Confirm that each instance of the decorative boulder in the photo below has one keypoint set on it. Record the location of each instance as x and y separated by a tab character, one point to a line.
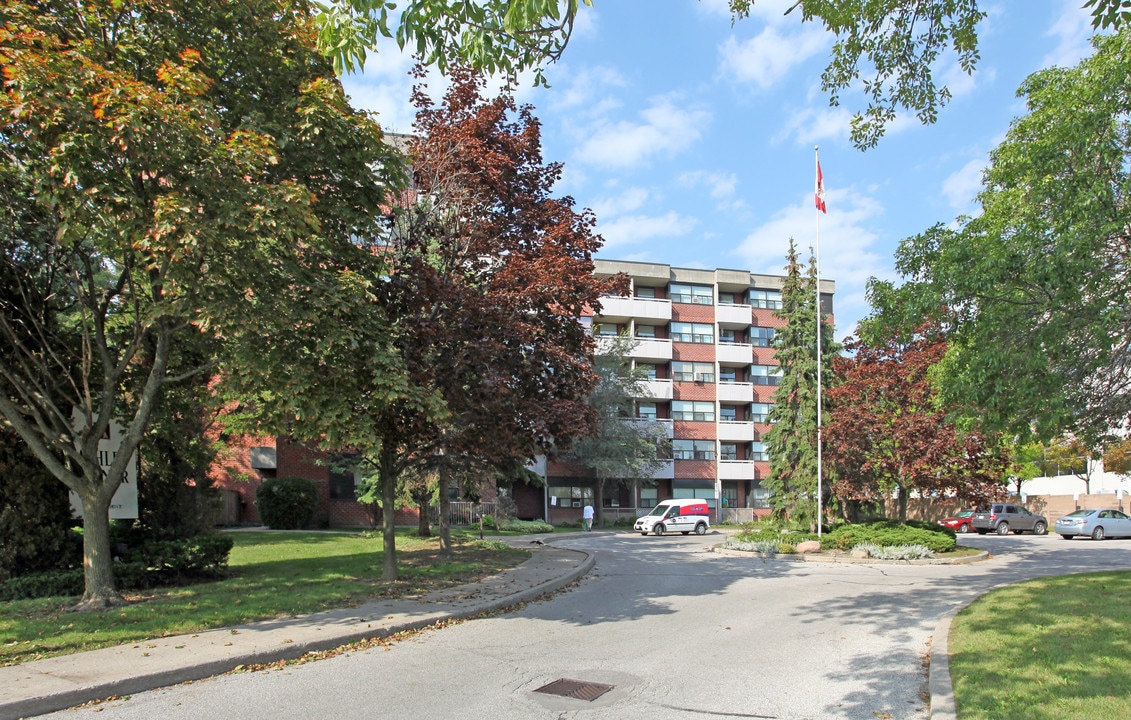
860	554
809	546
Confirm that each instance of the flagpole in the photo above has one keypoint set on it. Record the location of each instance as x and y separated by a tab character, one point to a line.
817	268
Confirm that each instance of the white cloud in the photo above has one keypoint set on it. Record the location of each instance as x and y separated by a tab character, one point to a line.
664	129
627	201
633	229
719	185
813	125
767	58
1072	30
847	251
961	187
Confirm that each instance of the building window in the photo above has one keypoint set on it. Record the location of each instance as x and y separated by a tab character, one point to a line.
728	375
760	412
646	411
343	483
646	292
693	449
730	495
649	497
571	496
605	329
728	451
693	372
759	497
758	452
729	298
728	413
767	299
729	336
648	370
696	411
693	332
765	374
694	294
761	336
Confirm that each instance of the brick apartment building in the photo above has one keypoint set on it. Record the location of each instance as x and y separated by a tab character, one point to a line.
705	339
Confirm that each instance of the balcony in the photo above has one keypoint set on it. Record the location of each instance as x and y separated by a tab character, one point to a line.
668	425
733	315
642	309
736	431
736	353
735	392
659	389
736	470
652	349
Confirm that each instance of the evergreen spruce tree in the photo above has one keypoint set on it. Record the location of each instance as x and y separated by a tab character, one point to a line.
792	441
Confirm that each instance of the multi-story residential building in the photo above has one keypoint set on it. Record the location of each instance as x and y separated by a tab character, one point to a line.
705	338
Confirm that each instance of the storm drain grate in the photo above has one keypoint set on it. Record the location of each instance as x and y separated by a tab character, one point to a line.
575	689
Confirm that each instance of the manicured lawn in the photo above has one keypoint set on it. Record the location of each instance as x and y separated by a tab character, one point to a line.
1052	648
272	574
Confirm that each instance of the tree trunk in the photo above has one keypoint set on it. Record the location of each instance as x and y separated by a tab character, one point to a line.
387	469
902	504
423	526
445	515
598	500
97	559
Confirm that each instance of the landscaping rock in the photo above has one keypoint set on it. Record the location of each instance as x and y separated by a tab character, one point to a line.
860	554
809	546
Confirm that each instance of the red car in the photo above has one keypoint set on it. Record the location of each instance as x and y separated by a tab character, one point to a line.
959	522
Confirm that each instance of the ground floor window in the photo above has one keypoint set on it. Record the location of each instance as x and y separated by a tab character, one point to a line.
730	494
759	497
571	495
649	497
707	494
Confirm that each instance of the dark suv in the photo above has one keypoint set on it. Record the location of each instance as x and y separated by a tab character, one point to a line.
1003	517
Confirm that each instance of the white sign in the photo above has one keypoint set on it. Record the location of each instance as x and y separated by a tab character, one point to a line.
123	506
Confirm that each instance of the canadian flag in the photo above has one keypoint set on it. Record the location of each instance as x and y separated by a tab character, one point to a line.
819	195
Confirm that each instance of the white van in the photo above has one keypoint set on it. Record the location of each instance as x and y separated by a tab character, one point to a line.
683	516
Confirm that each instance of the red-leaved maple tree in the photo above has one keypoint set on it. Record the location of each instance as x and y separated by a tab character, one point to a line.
886	435
489	274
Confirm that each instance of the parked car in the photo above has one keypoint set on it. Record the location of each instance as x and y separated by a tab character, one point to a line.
960	522
1096	524
1003	517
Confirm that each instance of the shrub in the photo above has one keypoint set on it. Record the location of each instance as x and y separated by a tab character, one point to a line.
50	583
528	526
895	552
761	547
154	563
887	533
488	522
35	514
286	503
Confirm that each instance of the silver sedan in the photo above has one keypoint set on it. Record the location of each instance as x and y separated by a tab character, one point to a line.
1097	524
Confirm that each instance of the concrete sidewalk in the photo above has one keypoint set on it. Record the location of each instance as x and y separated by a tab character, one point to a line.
44	686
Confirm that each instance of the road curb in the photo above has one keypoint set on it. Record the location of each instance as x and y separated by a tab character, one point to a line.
63	692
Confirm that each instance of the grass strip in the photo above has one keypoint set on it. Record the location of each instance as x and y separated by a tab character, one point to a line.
271	575
1045	649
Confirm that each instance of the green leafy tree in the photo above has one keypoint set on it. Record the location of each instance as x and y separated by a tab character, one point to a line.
622	449
1033	291
173	171
1072	455
792	439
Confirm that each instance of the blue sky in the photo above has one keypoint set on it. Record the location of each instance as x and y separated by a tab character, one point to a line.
693	140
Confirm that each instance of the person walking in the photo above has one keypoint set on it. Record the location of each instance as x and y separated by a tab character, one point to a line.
587	517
